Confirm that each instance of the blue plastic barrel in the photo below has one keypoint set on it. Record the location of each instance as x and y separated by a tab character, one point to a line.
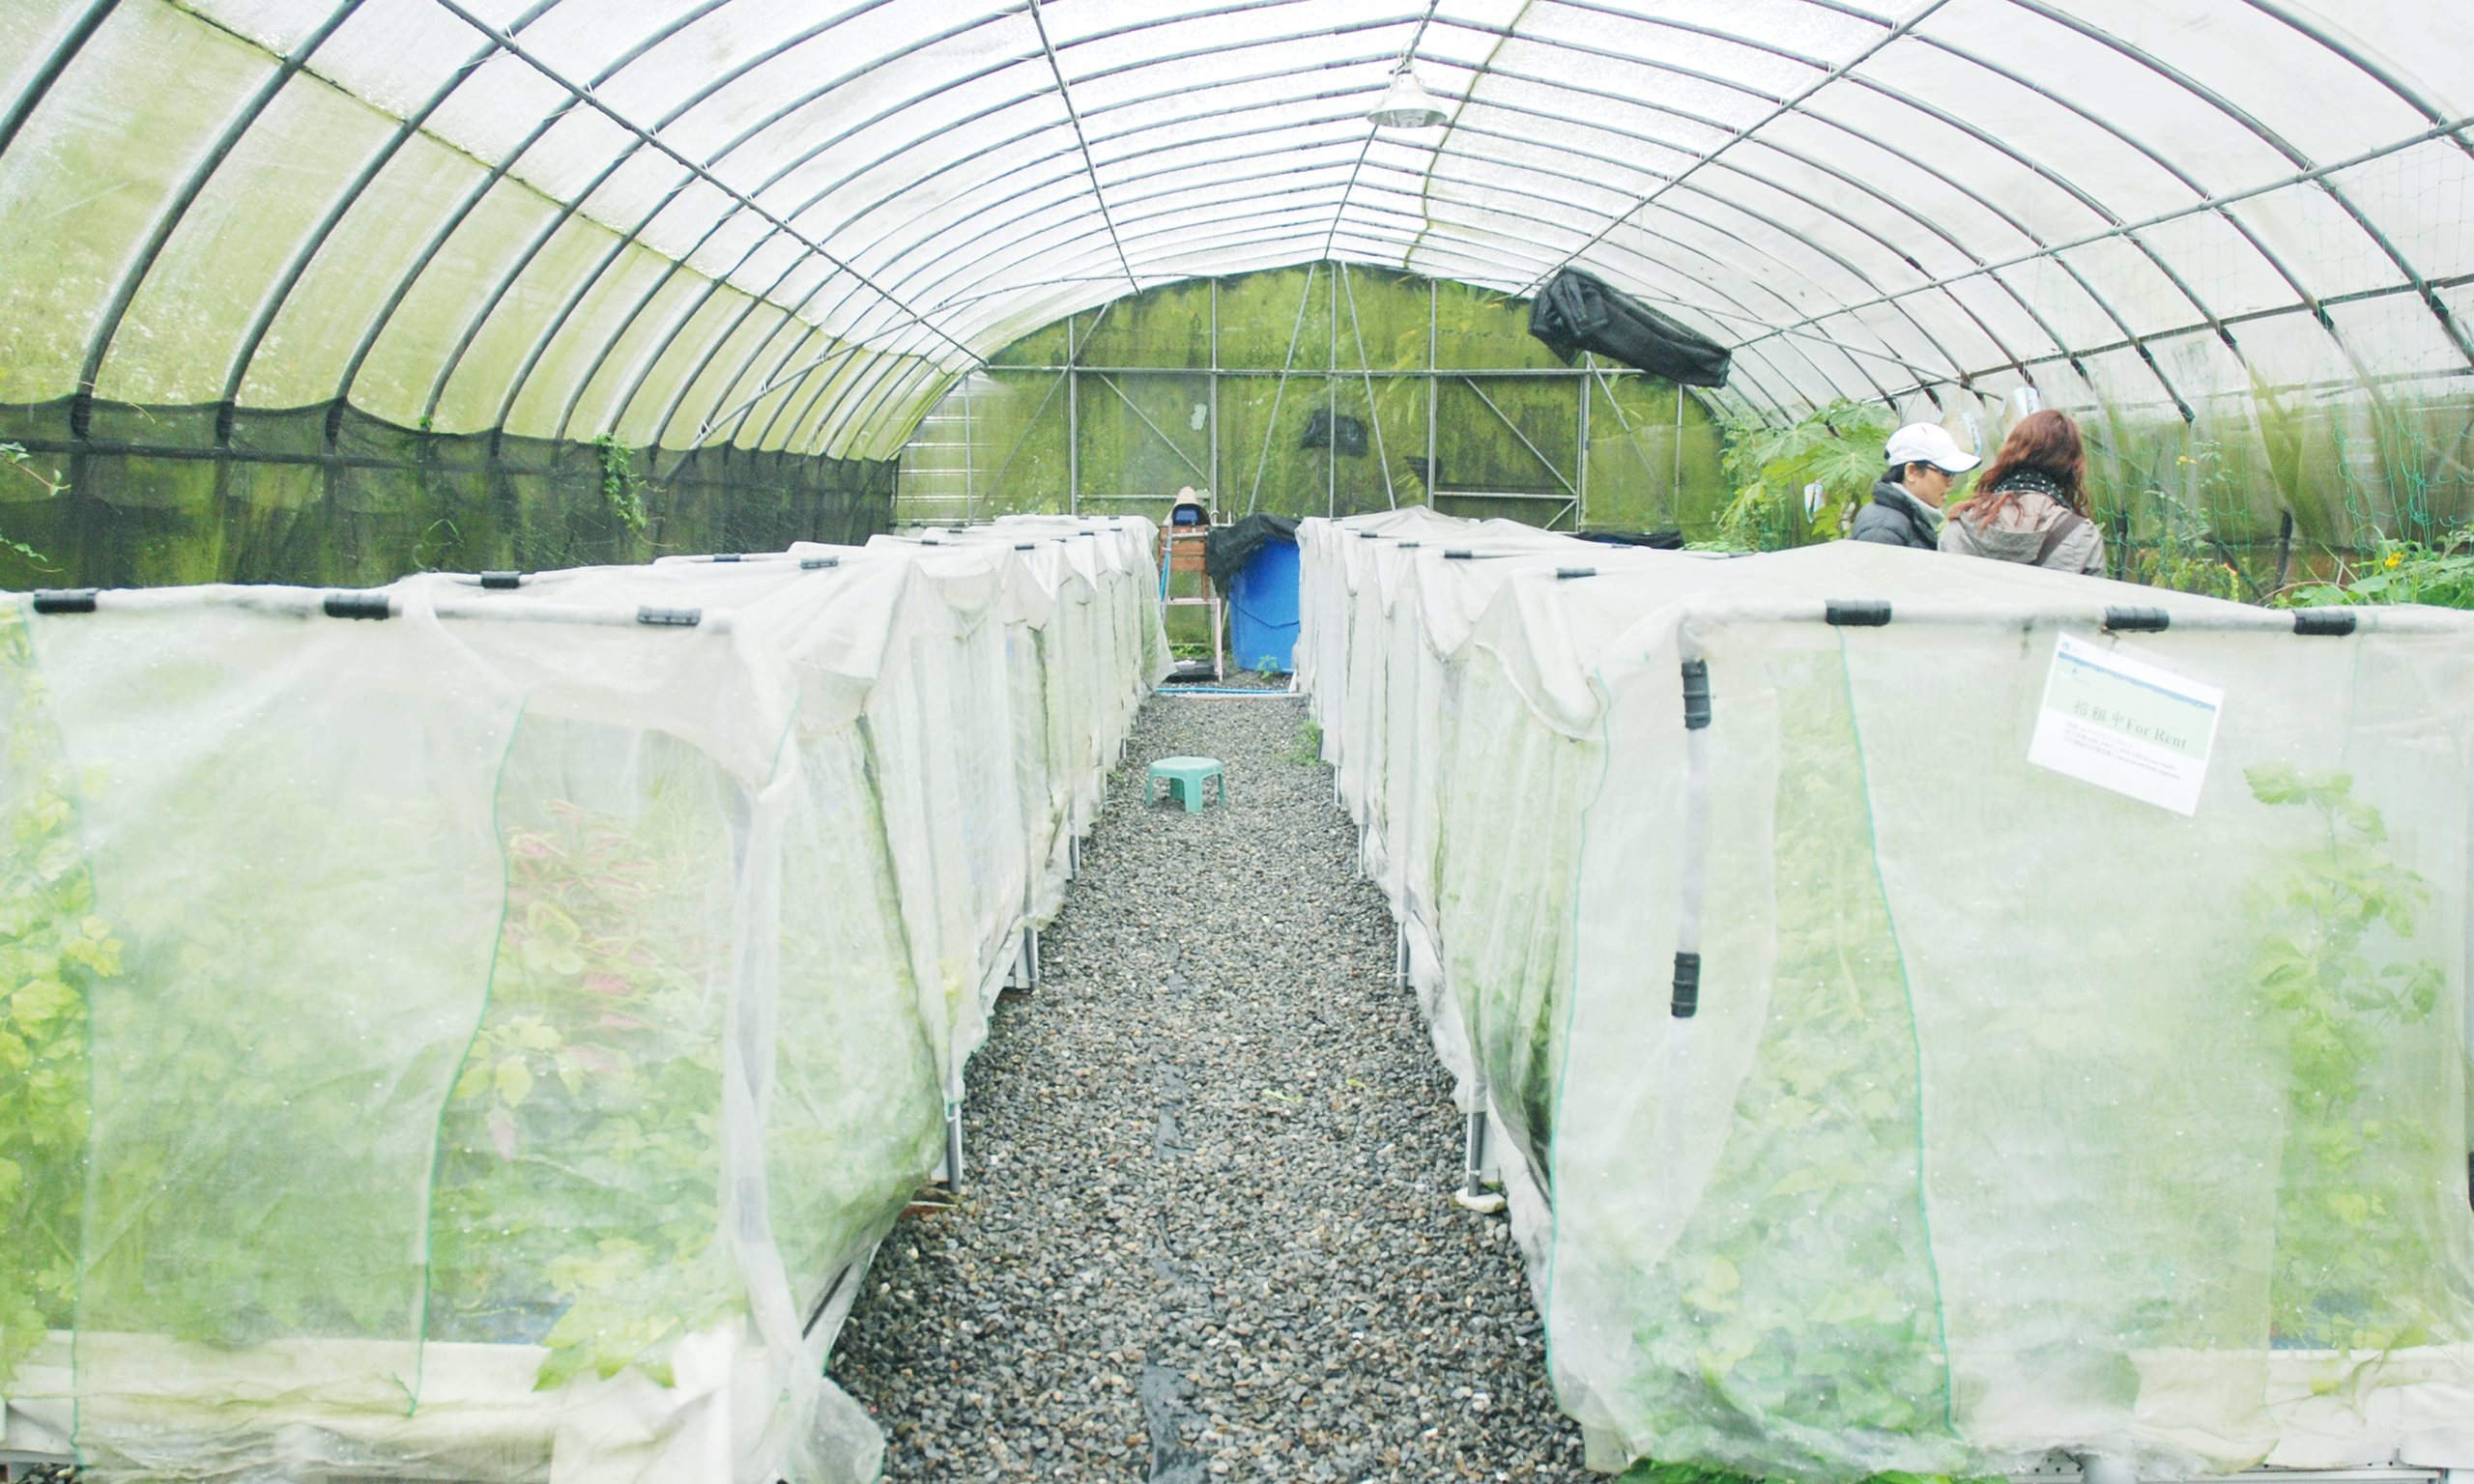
1263	610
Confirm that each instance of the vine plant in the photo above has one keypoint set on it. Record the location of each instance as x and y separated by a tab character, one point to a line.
623	488
2333	972
577	1205
53	946
15	459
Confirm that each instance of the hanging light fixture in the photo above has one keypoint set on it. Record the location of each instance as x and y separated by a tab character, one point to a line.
1406	104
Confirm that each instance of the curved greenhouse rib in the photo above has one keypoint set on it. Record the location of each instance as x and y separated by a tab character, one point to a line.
46	76
133	278
2274	140
808	156
445	232
262	321
1847	71
1065	95
1784	107
632	237
2306	302
584	96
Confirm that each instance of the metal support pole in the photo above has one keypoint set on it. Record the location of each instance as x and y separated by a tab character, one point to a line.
1580	494
1331	405
1473	1167
1675	483
1434	390
1400	957
1213	392
1072	424
954	1148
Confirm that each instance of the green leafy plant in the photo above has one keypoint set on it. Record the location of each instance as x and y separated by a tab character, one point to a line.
1797	1306
2335	976
2172	541
2440	573
1769	466
1309	751
578	1200
53	946
623	488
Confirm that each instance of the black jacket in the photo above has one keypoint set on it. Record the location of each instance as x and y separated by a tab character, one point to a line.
1896	517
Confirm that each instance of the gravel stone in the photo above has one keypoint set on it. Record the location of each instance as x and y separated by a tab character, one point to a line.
1207	1229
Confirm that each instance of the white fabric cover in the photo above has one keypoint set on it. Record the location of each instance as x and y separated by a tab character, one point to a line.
2015	1114
515	1021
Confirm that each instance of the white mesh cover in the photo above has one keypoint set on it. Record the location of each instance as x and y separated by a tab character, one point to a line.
483	1034
2015	1113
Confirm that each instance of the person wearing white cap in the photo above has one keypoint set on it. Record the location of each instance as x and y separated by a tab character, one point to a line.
1907	502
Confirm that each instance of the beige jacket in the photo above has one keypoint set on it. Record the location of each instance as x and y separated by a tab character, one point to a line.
2019	530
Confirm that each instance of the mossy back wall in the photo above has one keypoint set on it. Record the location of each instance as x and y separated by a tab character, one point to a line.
154	496
1183	386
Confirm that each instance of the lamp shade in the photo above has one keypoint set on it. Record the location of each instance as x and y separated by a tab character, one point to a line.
1407	105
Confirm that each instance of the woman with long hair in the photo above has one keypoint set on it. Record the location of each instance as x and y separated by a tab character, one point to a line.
2031	503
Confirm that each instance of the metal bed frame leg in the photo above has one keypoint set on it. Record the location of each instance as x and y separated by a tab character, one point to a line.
954	1148
1472	1192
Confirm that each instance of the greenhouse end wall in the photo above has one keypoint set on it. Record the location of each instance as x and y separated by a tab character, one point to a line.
1220	383
331	496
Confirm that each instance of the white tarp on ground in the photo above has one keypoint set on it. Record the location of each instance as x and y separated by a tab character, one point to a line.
479	1031
2015	1112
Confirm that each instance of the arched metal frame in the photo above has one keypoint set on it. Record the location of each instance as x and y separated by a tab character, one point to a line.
929	294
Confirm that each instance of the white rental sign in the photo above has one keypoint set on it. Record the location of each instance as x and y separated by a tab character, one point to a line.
2127	726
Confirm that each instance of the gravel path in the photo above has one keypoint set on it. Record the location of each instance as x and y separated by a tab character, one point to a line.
1208	1231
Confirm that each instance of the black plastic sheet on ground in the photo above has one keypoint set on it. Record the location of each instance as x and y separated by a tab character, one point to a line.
1575	312
1227	547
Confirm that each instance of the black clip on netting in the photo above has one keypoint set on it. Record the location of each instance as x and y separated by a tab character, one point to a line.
1687	985
727	556
1410	546
1858	613
1687	1000
358	604
818	563
1026	545
1459	554
64	600
1567	574
670	618
2137	621
501	581
1696	695
2323	623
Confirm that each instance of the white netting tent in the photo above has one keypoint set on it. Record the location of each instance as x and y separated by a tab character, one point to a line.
1870	1100
511	1011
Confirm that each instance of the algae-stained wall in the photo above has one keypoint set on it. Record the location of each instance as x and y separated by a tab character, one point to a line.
160	495
1224	384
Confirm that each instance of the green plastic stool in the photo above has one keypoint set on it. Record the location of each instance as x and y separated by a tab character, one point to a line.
1185	777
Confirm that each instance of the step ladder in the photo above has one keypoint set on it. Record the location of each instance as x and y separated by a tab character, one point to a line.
1182	557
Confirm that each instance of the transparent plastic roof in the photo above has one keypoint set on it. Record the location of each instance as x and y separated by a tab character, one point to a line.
788	225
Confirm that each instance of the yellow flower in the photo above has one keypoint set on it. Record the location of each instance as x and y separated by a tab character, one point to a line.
2395	557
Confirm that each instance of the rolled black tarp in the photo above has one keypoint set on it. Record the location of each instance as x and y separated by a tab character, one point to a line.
1227	547
1575	312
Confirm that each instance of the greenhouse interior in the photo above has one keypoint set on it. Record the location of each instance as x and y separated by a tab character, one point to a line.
1679	741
